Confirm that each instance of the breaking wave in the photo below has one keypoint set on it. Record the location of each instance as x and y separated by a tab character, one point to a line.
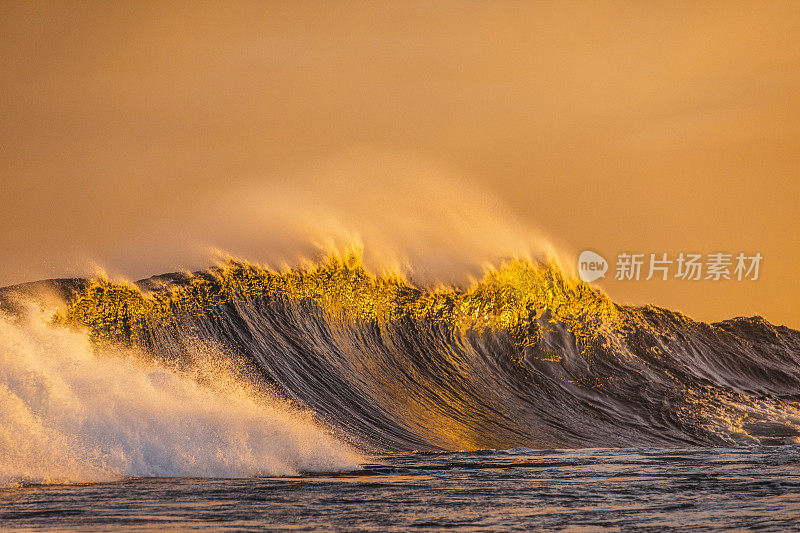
528	356
69	412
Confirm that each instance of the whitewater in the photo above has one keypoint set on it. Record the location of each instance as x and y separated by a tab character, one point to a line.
71	413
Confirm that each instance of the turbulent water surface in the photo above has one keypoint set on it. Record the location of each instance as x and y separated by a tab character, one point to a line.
595	490
377	400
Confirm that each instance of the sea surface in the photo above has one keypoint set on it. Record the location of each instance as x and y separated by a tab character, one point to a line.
327	398
703	489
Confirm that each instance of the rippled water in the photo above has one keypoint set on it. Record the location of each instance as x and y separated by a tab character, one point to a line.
629	489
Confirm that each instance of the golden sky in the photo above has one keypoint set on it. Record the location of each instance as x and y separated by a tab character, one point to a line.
134	135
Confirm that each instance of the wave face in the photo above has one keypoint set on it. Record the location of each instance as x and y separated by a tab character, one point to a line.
526	357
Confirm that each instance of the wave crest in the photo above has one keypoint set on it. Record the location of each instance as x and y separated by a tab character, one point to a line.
528	356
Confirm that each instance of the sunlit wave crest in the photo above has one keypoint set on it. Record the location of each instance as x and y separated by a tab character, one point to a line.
526	356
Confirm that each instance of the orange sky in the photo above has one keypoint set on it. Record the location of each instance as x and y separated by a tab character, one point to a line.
135	136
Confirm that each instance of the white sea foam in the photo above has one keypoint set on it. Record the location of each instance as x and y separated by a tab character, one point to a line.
70	414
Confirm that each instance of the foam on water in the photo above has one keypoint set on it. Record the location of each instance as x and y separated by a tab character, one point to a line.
69	412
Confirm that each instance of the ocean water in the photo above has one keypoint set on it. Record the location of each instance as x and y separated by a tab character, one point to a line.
574	490
330	399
